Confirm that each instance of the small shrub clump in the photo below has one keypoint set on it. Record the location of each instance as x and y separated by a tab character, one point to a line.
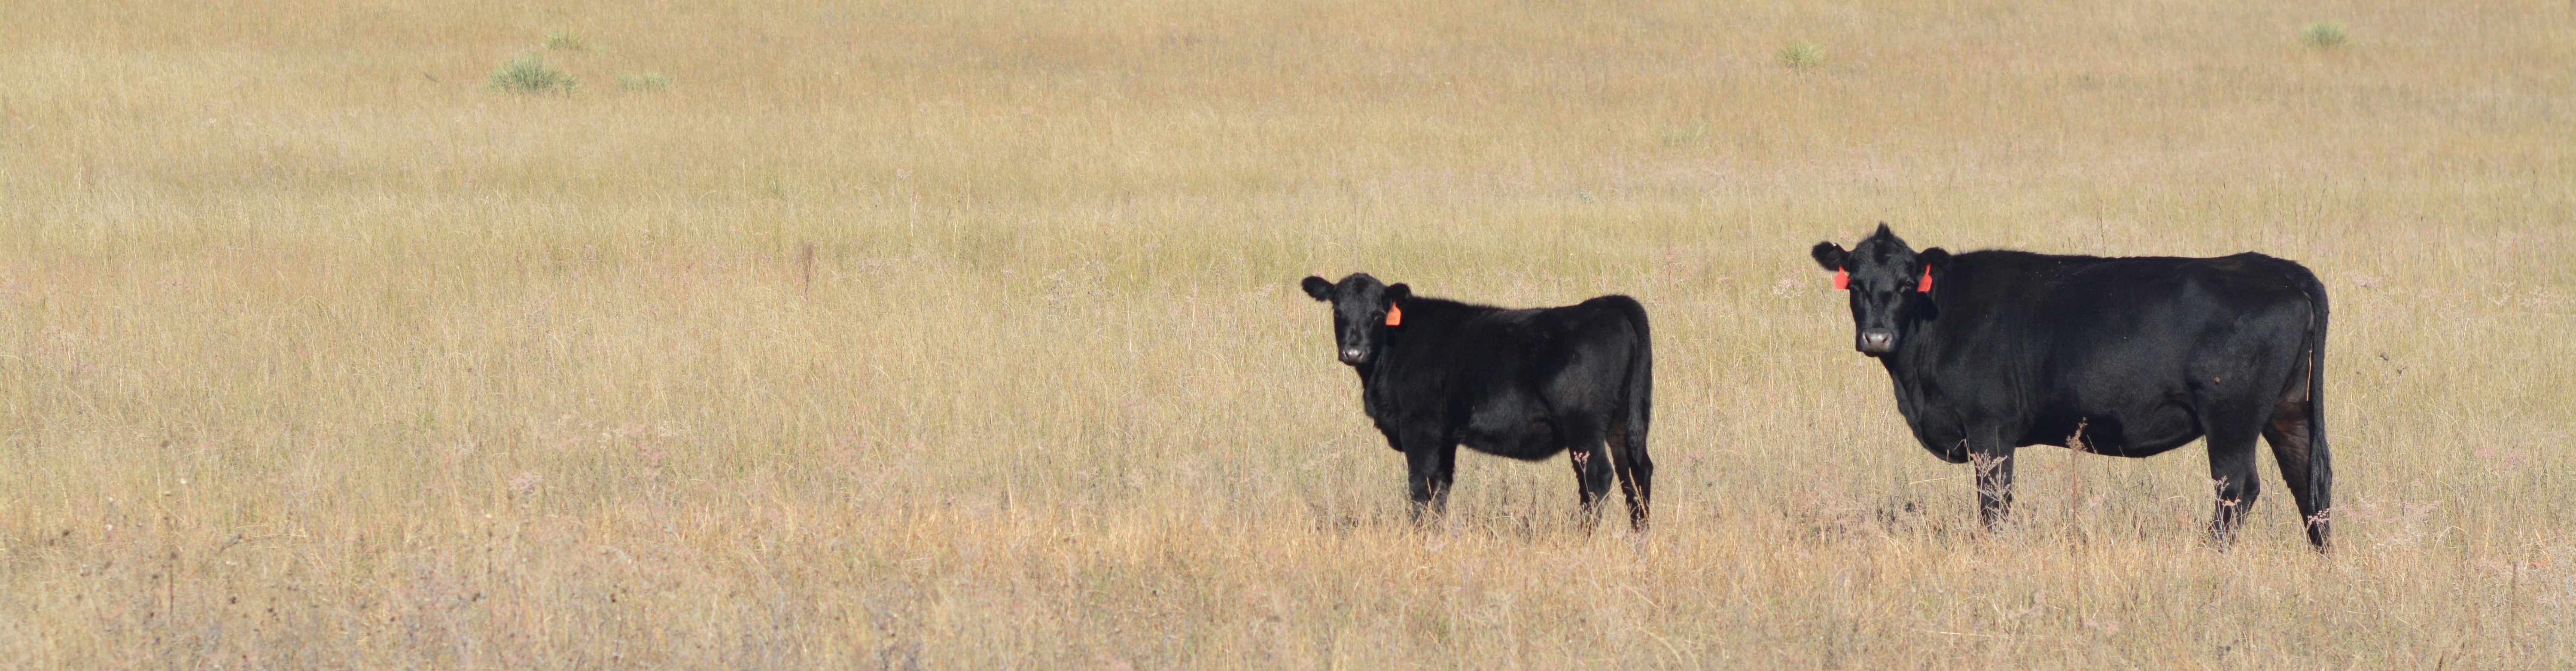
1802	56
2323	35
531	74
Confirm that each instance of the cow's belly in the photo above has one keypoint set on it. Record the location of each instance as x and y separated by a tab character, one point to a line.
2138	430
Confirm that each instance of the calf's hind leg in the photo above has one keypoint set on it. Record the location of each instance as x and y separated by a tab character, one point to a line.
1580	458
1636	471
1592	464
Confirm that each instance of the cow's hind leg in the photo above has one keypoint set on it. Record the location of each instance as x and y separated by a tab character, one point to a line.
2290	436
2231	436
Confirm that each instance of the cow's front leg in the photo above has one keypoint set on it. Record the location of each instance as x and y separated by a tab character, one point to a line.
1430	464
1993	460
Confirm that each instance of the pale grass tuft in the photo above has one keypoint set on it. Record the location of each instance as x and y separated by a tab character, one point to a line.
560	39
647	80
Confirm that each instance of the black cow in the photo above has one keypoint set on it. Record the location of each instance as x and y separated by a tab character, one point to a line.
1996	349
1524	384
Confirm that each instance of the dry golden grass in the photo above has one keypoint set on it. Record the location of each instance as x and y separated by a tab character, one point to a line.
962	335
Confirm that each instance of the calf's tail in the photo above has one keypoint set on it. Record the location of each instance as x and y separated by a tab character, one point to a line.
1641	375
1639	468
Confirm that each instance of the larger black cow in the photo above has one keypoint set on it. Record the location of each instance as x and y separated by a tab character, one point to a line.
1997	349
1524	384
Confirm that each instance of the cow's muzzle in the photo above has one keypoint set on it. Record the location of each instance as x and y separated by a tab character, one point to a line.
1877	341
1353	355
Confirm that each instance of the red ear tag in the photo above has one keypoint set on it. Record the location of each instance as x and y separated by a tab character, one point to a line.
1842	280
1394	316
1925	286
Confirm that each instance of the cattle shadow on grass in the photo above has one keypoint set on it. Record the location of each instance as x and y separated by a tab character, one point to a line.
2071	500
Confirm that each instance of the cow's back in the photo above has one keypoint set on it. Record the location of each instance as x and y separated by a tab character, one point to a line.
1499	378
2118	347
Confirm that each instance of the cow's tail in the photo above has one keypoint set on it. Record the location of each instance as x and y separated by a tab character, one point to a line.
2320	460
1637	469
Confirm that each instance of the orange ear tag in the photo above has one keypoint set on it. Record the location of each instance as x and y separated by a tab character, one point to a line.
1394	316
1842	280
1925	286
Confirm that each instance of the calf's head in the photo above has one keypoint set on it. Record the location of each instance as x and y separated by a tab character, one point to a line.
1890	286
1364	309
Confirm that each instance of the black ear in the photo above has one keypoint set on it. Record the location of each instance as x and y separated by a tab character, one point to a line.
1830	255
1399	292
1318	287
1935	260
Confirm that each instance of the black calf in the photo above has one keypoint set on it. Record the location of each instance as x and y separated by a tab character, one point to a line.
1524	384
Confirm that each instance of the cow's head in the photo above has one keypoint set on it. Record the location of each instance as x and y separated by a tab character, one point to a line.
1890	286
1360	307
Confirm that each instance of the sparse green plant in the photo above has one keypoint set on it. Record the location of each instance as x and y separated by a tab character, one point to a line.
1685	135
2323	35
647	80
531	74
1802	56
561	39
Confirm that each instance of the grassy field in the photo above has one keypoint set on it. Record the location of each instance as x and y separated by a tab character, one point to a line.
964	335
